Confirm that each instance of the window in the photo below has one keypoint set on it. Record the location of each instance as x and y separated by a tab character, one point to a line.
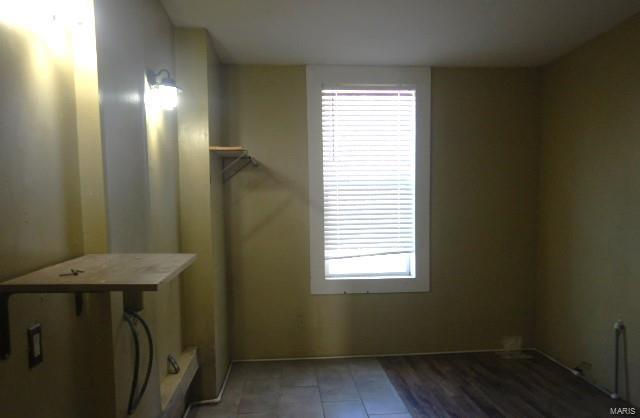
368	179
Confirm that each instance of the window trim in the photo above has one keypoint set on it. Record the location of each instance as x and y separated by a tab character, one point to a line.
416	77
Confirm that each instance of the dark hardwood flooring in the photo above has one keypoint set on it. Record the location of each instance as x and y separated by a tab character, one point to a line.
489	385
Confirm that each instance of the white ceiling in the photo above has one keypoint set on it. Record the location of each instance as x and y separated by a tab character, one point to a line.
399	32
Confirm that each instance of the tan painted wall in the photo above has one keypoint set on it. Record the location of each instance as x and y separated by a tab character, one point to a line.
141	166
484	186
221	332
590	204
58	157
39	220
203	287
97	340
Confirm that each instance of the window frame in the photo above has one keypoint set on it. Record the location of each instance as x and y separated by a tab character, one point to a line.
418	78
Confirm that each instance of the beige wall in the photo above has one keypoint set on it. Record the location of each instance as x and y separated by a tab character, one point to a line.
484	188
220	306
39	211
590	204
54	200
204	294
141	167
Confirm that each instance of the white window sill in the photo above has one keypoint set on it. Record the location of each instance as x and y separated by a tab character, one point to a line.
368	285
346	278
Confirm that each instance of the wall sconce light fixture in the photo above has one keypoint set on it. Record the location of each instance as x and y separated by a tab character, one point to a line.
163	91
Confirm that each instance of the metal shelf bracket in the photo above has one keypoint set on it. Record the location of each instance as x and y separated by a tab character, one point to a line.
237	164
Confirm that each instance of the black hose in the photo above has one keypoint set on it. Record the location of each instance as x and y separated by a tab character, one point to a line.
149	363
136	366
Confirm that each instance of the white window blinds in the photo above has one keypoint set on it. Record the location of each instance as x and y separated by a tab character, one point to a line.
368	162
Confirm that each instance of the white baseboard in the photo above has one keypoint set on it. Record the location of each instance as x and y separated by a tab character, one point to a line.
564	366
429	353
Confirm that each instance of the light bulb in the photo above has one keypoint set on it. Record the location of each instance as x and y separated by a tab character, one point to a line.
163	96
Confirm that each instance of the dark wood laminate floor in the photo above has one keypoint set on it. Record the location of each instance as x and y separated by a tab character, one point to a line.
489	385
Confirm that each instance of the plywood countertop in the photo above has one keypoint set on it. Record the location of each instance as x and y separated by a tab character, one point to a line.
102	273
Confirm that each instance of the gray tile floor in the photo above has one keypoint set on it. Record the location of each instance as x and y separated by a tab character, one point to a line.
344	388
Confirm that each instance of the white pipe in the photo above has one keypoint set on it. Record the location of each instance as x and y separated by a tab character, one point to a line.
428	353
573	371
213	401
619	330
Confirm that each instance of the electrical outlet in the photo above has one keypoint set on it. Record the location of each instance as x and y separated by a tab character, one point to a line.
34	338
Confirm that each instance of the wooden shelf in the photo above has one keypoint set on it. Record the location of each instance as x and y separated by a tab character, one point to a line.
131	274
102	273
229	152
240	159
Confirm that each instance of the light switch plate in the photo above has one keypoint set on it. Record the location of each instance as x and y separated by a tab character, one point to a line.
34	338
